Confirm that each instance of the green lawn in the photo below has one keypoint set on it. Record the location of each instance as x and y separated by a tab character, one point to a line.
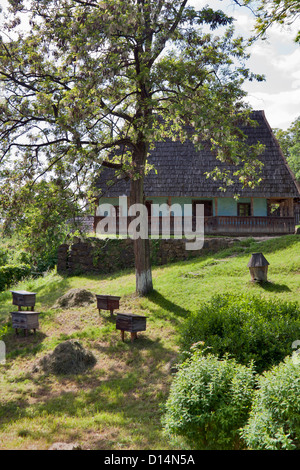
118	404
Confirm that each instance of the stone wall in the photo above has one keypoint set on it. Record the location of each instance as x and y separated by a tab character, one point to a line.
99	256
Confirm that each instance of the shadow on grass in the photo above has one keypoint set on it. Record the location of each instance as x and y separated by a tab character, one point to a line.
130	390
270	286
117	405
21	345
167	305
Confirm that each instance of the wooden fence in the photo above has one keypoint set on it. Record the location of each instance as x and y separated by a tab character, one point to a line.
216	225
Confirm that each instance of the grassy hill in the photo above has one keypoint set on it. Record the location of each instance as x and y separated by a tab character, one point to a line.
118	403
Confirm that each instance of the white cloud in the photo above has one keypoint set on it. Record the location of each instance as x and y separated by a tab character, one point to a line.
281	109
277	57
287	63
279	95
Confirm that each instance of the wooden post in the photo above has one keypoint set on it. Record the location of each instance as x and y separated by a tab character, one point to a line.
252	208
216	206
291	207
95	214
133	336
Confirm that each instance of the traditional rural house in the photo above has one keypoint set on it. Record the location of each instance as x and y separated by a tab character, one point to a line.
180	180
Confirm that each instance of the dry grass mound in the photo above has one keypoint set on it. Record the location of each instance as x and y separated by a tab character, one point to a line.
69	357
75	298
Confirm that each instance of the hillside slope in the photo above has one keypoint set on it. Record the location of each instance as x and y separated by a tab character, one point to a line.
117	403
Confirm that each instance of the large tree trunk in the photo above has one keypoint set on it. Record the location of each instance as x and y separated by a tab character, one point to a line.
141	246
143	272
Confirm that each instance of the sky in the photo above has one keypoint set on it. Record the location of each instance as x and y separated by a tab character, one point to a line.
277	58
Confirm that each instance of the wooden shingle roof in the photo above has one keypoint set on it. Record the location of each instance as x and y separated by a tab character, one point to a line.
181	170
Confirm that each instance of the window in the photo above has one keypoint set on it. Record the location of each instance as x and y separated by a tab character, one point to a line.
244	209
208	207
273	209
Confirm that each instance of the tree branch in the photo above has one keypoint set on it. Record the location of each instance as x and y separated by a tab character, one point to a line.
161	45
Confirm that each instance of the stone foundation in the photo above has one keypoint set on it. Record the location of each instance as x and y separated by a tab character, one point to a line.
99	256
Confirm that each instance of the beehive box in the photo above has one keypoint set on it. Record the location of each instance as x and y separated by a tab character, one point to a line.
23	298
25	320
108	302
258	267
130	322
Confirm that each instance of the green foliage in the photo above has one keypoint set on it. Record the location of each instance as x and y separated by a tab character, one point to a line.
274	422
3	256
268	12
209	401
91	79
246	327
10	274
3	331
289	141
98	84
39	218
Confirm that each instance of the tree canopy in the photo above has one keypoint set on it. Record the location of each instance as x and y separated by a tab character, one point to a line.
284	12
41	218
90	84
289	141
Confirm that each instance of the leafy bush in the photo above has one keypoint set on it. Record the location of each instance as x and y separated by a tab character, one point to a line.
12	273
246	327
209	401
3	331
3	256
48	215
274	422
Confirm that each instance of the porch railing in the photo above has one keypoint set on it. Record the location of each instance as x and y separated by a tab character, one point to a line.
216	225
235	225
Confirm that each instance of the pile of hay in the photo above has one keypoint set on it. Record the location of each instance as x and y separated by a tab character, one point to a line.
75	298
69	357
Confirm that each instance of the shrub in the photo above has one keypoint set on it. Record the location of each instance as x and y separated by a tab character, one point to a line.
49	213
3	256
12	273
274	422
209	400
3	331
245	327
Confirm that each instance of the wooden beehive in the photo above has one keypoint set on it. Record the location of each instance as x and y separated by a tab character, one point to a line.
25	320
23	298
258	267
130	322
108	302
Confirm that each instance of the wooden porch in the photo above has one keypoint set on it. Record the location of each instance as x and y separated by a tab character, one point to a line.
252	226
214	225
